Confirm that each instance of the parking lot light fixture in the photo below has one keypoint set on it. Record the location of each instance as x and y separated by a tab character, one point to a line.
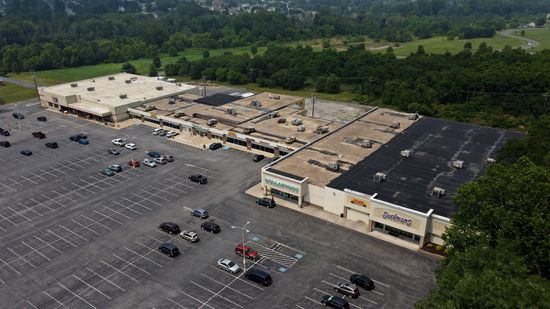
243	228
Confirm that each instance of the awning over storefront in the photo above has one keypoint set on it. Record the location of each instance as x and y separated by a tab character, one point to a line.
91	108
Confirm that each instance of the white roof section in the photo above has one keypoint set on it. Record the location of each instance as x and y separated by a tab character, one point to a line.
107	90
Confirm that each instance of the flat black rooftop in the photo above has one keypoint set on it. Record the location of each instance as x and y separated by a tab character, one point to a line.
289	175
434	144
218	99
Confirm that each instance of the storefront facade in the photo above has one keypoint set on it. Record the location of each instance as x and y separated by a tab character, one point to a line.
285	186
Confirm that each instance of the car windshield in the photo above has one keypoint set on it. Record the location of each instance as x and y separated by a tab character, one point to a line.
230	264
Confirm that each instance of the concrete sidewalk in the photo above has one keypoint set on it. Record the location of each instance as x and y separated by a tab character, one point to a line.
318	212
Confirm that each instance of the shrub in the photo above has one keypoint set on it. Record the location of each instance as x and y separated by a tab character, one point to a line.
439	248
430	245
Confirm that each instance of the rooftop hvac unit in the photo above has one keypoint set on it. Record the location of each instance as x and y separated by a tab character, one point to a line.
159	88
396	125
133	79
458	164
296	122
123	96
212	122
93	80
74	85
256	103
111	78
273	114
282	120
333	166
301	129
179	114
149	107
413	116
231	111
379	177
128	81
275	97
438	192
171	102
90	88
366	144
321	130
249	130
290	139
405	153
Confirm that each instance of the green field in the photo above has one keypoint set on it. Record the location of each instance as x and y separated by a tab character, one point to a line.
541	35
10	93
58	76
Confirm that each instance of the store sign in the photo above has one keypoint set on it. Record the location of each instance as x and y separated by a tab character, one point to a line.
358	202
397	218
282	185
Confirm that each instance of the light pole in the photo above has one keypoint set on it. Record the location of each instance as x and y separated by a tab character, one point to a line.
243	228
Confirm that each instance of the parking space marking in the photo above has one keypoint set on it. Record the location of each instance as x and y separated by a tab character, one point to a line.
70	243
96	222
55	299
47	258
20	214
151	250
77	296
223	284
11	267
215	294
118	212
148	199
106	279
63	195
119	271
352	272
136	203
204	169
85	227
160	190
241	280
30	209
173	301
107	217
48	244
92	287
361	297
313	300
32	305
132	264
195	299
325	293
49	199
27	179
300	307
75	234
275	256
128	208
144	257
21	257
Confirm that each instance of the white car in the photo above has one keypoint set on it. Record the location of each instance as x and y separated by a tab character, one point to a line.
228	266
149	162
157	131
171	134
190	236
131	146
119	142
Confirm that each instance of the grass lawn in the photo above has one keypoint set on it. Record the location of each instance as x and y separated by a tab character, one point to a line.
58	76
10	93
541	35
344	96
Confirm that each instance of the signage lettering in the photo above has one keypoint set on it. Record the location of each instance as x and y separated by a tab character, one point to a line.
358	202
397	218
282	185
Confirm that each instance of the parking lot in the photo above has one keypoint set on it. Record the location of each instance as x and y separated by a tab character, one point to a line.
71	237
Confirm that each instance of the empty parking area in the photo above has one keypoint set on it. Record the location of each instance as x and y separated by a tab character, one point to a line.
71	237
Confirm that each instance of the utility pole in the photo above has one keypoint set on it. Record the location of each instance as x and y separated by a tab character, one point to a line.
546	95
243	228
204	85
35	84
313	99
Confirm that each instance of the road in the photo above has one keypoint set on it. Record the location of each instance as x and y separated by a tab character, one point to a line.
17	82
509	33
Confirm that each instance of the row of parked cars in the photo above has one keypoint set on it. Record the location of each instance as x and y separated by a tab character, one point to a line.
348	289
163	132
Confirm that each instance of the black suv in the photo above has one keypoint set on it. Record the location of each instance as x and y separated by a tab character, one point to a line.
5	144
211	227
334	302
258	158
52	145
18	116
169	249
215	146
170	228
267	202
41	118
39	135
198	178
4	132
258	276
78	137
362	281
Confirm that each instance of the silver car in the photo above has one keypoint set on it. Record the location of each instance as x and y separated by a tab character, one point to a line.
228	266
149	162
190	235
160	160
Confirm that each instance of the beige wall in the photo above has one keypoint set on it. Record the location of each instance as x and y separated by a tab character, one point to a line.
283	184
315	195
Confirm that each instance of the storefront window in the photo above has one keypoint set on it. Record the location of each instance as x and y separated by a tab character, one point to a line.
396	232
284	195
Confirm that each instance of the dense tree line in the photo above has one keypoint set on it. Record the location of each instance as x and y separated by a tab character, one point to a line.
497	86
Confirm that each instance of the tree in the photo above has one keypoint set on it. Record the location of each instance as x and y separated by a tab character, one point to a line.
321	84
153	70
522	33
206	54
172	52
540	21
333	83
326	43
128	68
156	62
254	49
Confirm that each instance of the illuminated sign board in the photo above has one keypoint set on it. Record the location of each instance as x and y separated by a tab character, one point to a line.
358	202
282	185
397	218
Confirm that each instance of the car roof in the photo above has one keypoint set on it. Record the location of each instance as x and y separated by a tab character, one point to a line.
190	232
224	260
169	246
200	210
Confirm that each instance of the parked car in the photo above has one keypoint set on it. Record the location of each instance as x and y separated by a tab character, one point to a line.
258	158
198	178
115	168
52	145
199	212
38	135
348	289
5	144
107	172
169	249
190	236
248	252
154	154
258	276
210	227
168	158
118	142
171	134
228	266
113	151
334	302
26	152
267	202
134	163
131	146
160	161
170	228
215	146
82	136
149	162
163	133
157	131
362	281
18	116
5	133
74	138
41	118
83	141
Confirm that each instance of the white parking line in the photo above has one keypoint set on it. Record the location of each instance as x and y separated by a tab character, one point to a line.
300	307
361	297
96	222
131	264
30	209
20	214
107	217
75	234
128	208
119	271
118	212
313	300
27	179
202	168
77	296
144	257
106	279
136	203
176	303
195	299
352	272
32	305
92	287
7	219
49	199
85	227
21	257
223	284
55	299
11	267
149	199
215	294
63	195
47	258
70	243
47	244
241	280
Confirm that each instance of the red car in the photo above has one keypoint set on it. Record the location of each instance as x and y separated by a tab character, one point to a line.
134	163
249	253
